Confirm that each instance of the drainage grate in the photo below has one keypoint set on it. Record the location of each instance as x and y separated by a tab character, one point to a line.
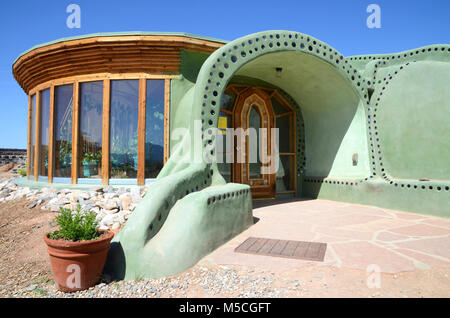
312	251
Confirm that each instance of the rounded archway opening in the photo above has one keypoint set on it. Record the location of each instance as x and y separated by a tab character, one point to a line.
331	129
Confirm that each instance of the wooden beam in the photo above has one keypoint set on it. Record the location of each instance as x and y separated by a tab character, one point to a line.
283	114
99	77
37	135
75	131
51	135
141	131
225	111
29	135
166	119
106	130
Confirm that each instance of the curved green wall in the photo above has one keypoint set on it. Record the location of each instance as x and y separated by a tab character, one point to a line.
391	111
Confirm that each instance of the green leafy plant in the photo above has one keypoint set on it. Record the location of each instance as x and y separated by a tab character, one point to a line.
65	147
78	226
22	172
92	156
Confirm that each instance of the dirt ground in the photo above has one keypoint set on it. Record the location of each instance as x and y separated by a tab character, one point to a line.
24	261
6	170
23	255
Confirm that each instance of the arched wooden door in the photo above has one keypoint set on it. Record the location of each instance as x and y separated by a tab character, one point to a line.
253	119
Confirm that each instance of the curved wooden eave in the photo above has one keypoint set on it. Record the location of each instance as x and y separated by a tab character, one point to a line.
129	53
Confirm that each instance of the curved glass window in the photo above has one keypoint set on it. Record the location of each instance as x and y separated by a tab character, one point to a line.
154	128
124	128
45	121
63	109
90	139
33	133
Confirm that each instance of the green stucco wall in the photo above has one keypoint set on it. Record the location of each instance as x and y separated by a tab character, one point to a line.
414	122
390	110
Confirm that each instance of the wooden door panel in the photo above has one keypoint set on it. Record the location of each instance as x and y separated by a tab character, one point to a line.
254	99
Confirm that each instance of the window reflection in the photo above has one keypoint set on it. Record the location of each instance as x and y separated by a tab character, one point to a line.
45	118
91	107
63	130
124	128
154	128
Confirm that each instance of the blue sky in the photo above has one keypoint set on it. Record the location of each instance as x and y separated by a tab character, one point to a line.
342	24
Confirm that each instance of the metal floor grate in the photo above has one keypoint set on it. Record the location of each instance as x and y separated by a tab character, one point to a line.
312	251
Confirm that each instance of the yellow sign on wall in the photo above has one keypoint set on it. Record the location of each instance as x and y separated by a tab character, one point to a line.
222	125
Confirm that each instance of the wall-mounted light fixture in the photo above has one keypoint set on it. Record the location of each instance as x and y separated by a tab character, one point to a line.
355	159
278	70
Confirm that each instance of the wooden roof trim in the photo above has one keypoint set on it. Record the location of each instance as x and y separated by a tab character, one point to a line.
164	41
129	53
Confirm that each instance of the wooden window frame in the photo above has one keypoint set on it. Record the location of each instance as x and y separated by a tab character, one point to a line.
29	134
106	113
51	137
37	136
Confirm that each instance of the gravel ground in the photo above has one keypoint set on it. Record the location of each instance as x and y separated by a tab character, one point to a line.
200	281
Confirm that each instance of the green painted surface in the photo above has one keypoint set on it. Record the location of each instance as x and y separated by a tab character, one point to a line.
191	63
333	114
174	226
194	227
421	122
180	106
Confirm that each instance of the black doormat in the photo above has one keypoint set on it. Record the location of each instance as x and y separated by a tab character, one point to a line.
311	251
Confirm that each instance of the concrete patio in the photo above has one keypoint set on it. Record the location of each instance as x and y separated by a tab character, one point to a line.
357	236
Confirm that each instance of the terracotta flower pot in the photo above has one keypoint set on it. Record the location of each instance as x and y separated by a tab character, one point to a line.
78	265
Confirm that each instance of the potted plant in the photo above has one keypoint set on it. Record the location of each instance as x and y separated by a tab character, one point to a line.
66	153
77	250
90	162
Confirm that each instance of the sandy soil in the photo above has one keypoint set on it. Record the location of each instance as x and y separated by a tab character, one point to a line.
23	255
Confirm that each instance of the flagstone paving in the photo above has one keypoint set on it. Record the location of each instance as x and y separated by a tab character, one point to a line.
357	236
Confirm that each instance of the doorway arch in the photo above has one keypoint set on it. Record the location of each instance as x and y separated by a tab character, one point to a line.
336	96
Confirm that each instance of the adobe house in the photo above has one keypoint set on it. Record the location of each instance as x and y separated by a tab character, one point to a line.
139	107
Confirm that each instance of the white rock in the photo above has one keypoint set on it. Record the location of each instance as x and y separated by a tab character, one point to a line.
112	211
53	201
109	205
125	202
95	209
84	195
110	195
108	220
116	226
72	197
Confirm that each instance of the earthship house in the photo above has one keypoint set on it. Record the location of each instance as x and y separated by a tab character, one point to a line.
140	107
